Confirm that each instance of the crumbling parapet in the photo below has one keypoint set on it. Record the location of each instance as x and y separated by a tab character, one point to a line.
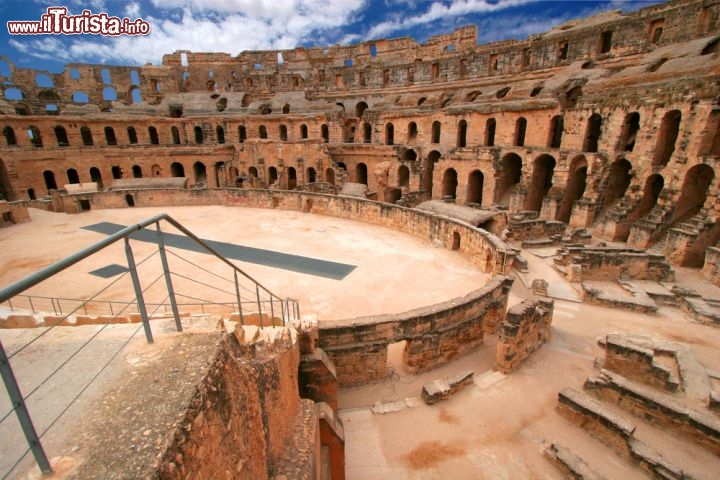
525	328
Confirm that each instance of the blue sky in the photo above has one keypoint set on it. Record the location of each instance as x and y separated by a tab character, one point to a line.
232	26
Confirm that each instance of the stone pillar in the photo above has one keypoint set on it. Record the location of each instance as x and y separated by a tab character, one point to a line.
583	213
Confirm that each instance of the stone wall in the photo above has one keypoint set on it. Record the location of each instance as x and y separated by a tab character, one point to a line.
12	213
434	335
482	248
525	328
242	415
593	263
711	268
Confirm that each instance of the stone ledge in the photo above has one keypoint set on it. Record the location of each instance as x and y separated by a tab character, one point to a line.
587	406
443	389
570	463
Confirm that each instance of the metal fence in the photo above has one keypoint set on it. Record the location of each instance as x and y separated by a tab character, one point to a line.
164	283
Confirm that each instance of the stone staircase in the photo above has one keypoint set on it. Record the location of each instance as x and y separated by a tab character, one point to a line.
608	226
648	413
647	230
688	240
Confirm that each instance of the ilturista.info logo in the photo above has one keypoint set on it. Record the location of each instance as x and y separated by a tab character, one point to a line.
57	22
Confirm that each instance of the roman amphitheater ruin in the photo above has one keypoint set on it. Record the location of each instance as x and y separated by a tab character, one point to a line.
461	260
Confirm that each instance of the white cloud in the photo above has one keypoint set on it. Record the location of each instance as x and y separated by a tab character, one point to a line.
441	11
132	10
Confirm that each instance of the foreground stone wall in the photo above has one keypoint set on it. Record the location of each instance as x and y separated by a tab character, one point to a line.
482	248
711	268
525	328
435	335
242	415
12	213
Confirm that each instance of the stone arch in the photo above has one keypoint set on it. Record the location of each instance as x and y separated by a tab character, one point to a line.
403	176
220	134
474	194
253	172
272	175
389	134
49	178
361	173
653	186
96	176
198	134
291	178
330	176
490	126
666	138
61	136
428	170
693	193
155	170
360	109
436	128
520	129
137	171
540	182
177	169
310	175
9	135
34	135
556	131
175	135
628	134
132	135
367	132
510	175
116	172
153	134
200	173
110	138
325	132
574	188
72	176
450	183
462	134
618	180
455	241
412	132
592	133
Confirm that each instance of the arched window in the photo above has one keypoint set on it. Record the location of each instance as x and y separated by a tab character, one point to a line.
86	135
72	176
436	126
490	124
367	132
198	135
667	135
303	131
630	128
220	134
556	131
152	132
389	134
412	132
132	135
177	169
175	135
9	135
110	136
325	131
450	184
283	133
520	129
592	133
242	133
262	131
474	194
403	176
34	135
49	178
61	136
462	134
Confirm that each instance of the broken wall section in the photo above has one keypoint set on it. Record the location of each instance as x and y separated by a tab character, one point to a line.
525	328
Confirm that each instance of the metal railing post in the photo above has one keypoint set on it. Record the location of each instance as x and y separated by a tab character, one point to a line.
272	310
22	413
138	290
257	295
168	279
239	301
282	311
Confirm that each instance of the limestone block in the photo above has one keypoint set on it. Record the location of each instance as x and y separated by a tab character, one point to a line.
21	321
444	388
